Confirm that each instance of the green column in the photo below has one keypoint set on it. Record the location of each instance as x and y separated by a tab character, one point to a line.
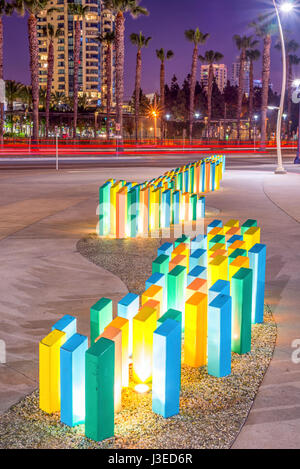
248	224
192	176
104	209
176	280
161	264
99	390
241	292
170	314
101	314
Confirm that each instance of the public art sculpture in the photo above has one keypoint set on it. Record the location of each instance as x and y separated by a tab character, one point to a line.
202	297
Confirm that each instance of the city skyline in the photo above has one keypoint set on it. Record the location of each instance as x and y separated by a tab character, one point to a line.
230	19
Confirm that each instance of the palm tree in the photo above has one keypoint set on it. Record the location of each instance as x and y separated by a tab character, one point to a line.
13	91
78	11
163	56
290	46
26	97
196	37
42	98
6	9
264	27
33	8
140	41
252	55
108	39
210	58
119	8
242	43
50	32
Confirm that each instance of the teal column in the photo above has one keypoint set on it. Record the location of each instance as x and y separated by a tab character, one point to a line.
241	292
198	257
104	209
161	264
166	209
99	390
101	315
248	224
175	207
170	314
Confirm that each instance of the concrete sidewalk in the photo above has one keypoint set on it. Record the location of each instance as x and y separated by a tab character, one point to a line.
44	213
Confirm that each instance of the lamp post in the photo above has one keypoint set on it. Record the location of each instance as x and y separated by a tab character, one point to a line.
254	133
296	99
285	7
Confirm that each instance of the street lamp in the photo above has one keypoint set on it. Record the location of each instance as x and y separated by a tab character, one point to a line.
255	117
296	99
285	7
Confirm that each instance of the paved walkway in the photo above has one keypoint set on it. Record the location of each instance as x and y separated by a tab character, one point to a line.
43	214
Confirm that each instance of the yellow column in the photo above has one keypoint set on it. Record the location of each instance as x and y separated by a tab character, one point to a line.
251	237
49	370
123	325
144	324
217	269
195	331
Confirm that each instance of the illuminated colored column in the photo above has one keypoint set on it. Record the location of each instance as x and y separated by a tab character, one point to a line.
207	176
175	207
176	281
217	269
257	257
234	254
195	333
154	292
99	390
144	324
161	264
216	240
115	335
49	371
155	209
197	272
113	211
128	308
197	179
232	240
132	200
123	325
200	207
241	292
72	378
199	242
166	369
101	315
198	257
212	175
165	249
173	314
166	209
219	336
236	264
202	176
214	224
144	210
160	280
193	202
230	224
248	224
197	285
66	324
121	213
220	287
182	240
251	237
104	209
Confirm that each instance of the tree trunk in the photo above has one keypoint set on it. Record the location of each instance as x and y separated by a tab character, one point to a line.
76	70
192	91
1	78
209	97
138	75
34	71
109	87
265	87
251	94
49	82
240	91
162	97
120	28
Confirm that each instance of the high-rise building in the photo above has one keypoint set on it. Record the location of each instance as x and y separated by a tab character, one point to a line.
236	75
91	76
220	74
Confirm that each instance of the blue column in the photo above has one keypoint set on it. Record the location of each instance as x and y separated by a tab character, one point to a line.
66	324
233	239
166	249
214	224
175	207
197	272
198	257
72	380
201	207
166	368
219	336
212	175
166	209
257	259
220	287
199	242
202	176
160	280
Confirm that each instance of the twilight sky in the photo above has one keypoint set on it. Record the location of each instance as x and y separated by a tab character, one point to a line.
166	24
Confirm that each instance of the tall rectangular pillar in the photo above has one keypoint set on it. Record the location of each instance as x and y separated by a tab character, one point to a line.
101	314
72	378
195	332
166	368
104	209
66	324
128	308
123	325
144	324
219	336
121	213
241	292
99	390
257	258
